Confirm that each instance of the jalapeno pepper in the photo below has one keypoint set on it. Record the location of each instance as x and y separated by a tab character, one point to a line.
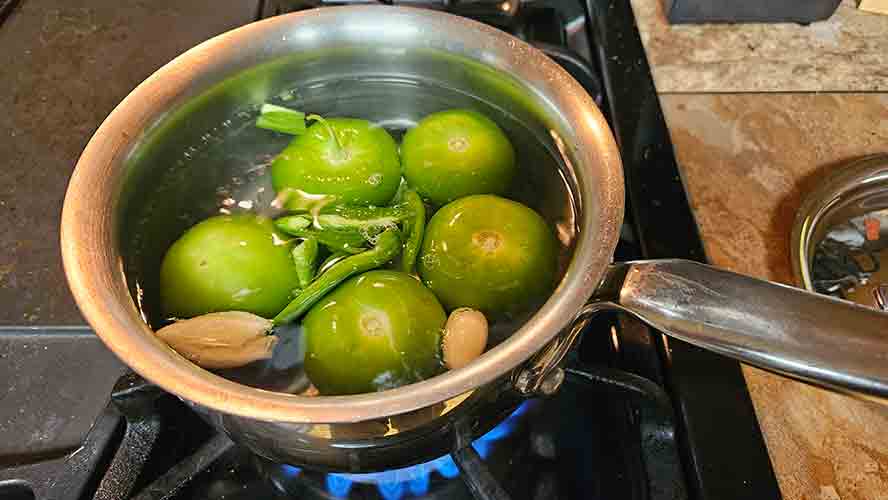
387	247
305	256
414	230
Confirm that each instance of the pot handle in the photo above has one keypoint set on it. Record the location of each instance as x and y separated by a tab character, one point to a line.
815	338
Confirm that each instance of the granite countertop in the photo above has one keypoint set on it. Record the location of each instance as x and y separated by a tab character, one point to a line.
841	54
751	141
63	68
747	160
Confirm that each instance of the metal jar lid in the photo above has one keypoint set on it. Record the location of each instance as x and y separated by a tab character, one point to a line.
840	236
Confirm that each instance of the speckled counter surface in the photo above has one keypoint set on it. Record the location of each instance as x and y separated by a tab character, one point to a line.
847	52
747	160
748	157
63	68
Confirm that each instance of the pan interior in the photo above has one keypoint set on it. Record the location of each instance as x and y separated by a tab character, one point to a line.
206	156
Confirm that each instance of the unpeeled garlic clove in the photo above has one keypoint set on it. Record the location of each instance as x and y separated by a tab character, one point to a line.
465	337
222	339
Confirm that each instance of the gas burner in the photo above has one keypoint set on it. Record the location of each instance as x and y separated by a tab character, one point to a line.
435	479
439	478
553	448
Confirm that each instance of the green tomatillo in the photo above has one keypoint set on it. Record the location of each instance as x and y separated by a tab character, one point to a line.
228	263
353	160
377	331
488	253
456	153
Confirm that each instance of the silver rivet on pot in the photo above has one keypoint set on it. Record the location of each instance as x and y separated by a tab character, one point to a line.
552	383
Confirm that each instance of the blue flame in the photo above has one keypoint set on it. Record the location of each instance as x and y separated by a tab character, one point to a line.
290	471
499	432
338	485
419	485
447	467
391	490
521	410
396	484
482	447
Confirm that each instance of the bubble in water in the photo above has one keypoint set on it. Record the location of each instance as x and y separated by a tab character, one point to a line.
429	259
288	95
257	170
277	240
375	179
370	236
386	380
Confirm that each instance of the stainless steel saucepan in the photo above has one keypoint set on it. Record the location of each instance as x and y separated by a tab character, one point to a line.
144	177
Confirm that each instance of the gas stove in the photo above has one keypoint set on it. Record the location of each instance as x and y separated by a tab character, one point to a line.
638	416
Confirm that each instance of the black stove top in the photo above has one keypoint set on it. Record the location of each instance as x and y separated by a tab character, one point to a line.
638	417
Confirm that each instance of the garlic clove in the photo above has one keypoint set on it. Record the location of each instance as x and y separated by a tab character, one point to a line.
222	339
465	337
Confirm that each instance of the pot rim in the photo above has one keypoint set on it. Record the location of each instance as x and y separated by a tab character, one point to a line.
94	268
